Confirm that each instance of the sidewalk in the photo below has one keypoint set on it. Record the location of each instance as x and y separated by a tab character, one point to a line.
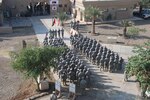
42	24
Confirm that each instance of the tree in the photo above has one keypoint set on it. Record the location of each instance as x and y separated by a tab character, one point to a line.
125	24
139	65
143	3
35	61
62	17
92	13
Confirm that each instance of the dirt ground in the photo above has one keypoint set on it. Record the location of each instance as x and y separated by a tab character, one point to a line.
12	82
115	30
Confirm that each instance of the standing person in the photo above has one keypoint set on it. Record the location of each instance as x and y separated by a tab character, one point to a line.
53	21
52	33
53	96
83	84
62	31
24	44
55	33
59	33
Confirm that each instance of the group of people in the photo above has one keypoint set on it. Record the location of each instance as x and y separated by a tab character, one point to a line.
72	68
103	57
74	25
54	33
39	8
54	38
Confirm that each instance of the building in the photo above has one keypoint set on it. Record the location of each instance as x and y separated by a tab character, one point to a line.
112	9
1	14
13	8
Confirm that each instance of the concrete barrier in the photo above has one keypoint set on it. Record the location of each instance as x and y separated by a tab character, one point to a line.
6	29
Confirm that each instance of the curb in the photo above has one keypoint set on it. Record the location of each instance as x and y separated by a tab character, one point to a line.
37	96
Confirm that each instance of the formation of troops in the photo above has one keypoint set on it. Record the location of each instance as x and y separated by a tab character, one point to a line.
54	38
71	68
103	57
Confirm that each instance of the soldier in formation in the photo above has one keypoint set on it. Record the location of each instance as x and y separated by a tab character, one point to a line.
54	38
71	68
103	57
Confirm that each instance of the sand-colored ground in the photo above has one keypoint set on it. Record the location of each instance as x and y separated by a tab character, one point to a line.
10	81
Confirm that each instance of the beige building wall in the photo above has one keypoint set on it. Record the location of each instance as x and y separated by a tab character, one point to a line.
117	9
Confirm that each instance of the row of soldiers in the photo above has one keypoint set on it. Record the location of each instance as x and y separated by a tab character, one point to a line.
54	38
74	25
56	42
103	57
72	68
54	33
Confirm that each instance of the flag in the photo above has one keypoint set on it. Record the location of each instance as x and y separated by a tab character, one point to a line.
54	21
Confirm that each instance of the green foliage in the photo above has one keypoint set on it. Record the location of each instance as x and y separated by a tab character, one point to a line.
33	62
126	23
92	12
134	31
145	3
62	16
139	65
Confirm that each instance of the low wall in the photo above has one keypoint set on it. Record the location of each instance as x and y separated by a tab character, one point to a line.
6	29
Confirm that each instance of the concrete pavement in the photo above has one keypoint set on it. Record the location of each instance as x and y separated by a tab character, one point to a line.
43	24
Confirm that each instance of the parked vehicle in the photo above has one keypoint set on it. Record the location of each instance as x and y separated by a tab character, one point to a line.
146	13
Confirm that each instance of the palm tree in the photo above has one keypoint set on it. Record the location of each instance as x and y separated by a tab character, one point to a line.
62	17
125	24
92	13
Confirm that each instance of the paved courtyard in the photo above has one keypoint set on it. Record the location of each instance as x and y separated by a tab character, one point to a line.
105	86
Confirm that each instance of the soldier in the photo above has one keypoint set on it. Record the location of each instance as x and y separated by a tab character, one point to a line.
71	24
120	63
53	96
59	33
62	31
64	78
55	33
125	76
83	85
111	66
24	44
102	64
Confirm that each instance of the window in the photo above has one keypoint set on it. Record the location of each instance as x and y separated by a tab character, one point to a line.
60	5
65	5
53	2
